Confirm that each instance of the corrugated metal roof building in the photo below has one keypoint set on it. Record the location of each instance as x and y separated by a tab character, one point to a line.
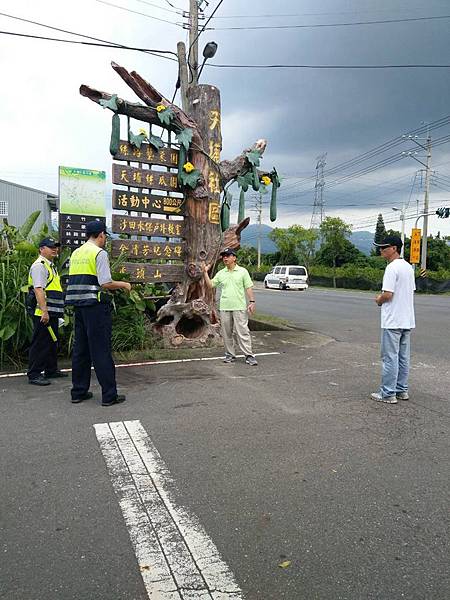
17	202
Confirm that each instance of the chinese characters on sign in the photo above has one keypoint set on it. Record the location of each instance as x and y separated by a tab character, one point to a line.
147	227
414	253
147	203
148	250
72	229
167	157
213	177
144	272
144	178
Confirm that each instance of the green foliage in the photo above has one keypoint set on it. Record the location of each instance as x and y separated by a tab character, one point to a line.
190	179
380	233
254	158
245	180
111	103
334	233
348	253
155	141
184	137
166	116
247	256
25	230
136	140
296	244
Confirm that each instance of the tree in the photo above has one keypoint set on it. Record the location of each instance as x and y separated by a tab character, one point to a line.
380	233
349	253
296	243
247	256
334	233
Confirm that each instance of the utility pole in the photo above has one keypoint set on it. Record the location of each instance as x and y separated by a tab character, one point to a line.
193	43
318	210
423	262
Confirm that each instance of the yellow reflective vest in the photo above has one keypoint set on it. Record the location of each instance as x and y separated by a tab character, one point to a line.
53	290
83	288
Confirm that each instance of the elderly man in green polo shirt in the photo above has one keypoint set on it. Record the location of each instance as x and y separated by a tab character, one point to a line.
236	288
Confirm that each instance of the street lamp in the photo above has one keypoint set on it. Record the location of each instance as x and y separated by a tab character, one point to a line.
402	219
208	52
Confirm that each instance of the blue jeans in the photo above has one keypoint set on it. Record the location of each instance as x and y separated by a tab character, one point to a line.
395	354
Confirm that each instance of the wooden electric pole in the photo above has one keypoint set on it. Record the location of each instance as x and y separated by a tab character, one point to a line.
193	43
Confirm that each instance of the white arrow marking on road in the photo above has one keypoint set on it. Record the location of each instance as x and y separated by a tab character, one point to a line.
176	557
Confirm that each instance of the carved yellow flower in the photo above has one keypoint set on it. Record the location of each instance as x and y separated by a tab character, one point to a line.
161	107
266	180
188	167
142	131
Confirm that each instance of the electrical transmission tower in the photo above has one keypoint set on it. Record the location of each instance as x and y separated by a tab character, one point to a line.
318	211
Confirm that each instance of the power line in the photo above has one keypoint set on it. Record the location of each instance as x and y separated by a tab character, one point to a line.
177	11
136	12
88	37
199	34
358	67
347	24
119	47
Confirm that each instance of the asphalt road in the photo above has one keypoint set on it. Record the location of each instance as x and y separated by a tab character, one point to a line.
353	316
285	463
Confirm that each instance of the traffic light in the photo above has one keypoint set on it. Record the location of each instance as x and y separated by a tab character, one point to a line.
443	212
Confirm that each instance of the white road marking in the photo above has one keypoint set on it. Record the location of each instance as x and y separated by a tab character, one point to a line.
154	362
177	559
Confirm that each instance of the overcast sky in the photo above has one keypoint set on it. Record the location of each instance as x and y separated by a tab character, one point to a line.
302	112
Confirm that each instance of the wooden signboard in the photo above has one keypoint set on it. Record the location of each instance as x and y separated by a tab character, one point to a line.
147	273
147	227
148	250
144	178
149	203
167	157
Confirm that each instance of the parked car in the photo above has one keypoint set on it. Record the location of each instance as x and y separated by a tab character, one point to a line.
287	277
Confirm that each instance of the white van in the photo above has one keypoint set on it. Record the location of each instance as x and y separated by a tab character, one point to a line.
287	277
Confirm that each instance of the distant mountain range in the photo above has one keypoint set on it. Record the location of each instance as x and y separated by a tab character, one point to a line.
363	240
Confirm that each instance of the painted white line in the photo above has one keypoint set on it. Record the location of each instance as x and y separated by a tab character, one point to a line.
176	557
153	362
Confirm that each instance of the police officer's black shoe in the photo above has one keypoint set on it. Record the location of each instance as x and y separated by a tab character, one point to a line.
39	381
56	375
86	396
117	400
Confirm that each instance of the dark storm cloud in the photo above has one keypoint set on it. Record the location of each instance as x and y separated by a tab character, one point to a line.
341	112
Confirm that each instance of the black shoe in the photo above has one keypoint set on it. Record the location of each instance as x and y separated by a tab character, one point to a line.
39	381
117	400
56	375
86	396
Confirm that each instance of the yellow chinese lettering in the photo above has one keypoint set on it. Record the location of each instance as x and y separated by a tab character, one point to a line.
214	119
135	249
149	179
123	200
171	229
162	156
137	176
213	182
149	153
157	202
145	201
173	181
177	250
168	251
134	201
158	274
157	250
123	176
214	150
162	180
140	273
145	249
174	158
123	149
123	224
137	153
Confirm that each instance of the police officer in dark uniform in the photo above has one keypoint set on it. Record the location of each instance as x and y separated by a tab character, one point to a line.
45	285
89	273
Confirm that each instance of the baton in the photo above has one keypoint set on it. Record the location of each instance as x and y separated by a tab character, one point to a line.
52	333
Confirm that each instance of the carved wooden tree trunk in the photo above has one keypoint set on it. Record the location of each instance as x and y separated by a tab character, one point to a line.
190	317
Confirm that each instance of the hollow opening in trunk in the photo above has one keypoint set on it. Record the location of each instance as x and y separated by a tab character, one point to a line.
192	327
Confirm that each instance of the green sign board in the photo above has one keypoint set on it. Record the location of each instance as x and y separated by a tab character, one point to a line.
82	192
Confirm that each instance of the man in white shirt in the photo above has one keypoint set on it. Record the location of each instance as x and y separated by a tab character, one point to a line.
397	320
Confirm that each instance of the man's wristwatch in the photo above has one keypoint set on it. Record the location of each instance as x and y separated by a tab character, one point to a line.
251	302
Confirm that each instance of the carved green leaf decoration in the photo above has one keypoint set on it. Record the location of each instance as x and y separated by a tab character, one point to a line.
254	158
165	116
136	140
111	103
155	141
190	179
245	180
185	137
